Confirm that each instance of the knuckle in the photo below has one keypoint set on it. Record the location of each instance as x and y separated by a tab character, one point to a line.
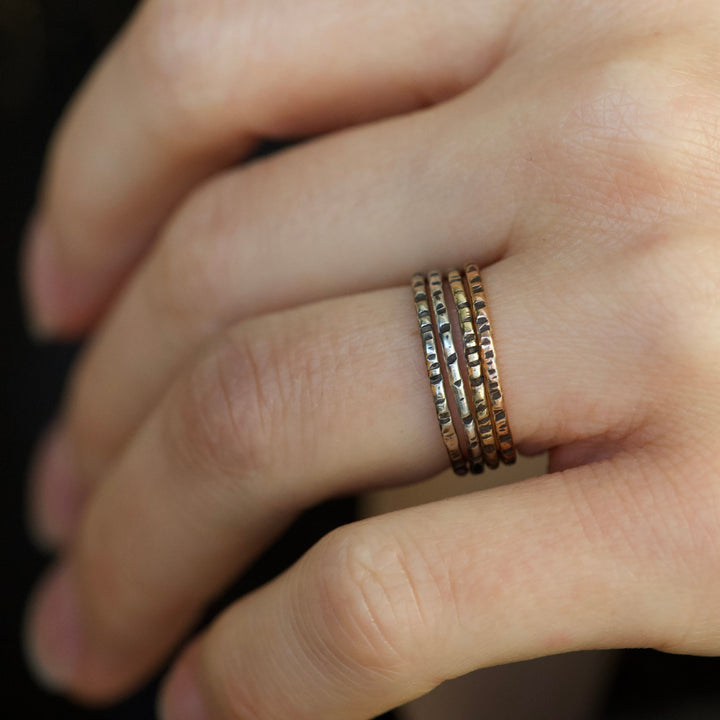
225	416
380	599
642	136
248	405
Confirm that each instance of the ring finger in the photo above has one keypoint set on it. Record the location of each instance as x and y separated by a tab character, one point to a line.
291	408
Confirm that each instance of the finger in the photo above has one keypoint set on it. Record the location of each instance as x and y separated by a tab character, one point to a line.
188	289
292	408
479	189
382	611
188	88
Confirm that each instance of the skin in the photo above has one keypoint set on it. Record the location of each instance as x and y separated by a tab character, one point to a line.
252	345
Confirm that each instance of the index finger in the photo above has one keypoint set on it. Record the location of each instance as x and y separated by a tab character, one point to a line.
188	88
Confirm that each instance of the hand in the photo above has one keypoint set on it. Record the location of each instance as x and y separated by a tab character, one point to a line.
260	351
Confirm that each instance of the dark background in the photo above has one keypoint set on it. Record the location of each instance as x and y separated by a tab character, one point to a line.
46	46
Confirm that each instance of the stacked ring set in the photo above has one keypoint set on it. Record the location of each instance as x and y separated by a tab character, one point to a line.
474	386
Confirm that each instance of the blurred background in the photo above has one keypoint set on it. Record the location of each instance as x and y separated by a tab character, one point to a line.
46	47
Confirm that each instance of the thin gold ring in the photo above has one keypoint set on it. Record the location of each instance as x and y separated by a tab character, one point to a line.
473	363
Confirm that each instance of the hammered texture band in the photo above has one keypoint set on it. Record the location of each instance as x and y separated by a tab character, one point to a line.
474	385
437	384
451	363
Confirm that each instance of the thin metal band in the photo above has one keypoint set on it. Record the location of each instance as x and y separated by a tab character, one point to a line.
434	370
473	362
503	436
452	366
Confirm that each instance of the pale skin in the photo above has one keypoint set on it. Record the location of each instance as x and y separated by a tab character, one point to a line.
253	347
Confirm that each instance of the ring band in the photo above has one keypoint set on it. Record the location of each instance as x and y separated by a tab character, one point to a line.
503	436
473	362
486	437
434	370
452	368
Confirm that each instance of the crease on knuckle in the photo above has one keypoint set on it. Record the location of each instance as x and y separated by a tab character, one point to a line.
225	419
381	601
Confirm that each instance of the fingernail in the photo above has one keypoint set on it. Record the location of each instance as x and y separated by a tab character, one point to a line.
43	279
53	639
180	697
56	495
